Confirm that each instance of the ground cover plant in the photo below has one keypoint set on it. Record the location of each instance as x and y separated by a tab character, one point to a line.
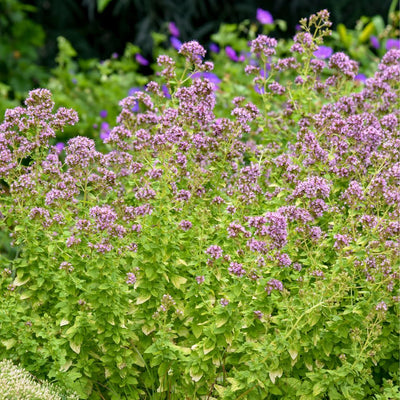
253	255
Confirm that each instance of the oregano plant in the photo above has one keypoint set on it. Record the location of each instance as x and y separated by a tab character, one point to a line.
249	255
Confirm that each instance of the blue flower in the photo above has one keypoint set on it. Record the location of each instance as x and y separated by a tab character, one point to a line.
323	52
59	147
173	29
141	60
175	43
231	53
214	48
374	42
264	17
393	44
360	77
165	91
208	75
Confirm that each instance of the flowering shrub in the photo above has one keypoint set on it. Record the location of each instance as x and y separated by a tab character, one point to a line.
248	256
17	384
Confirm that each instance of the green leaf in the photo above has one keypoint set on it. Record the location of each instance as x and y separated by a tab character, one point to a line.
177	281
75	347
235	384
344	36
366	32
318	389
221	320
195	374
9	343
209	345
138	359
327	347
102	4
197	331
275	374
142	299
65	367
293	353
19	281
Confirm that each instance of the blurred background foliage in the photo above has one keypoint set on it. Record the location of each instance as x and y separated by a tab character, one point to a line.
85	51
98	28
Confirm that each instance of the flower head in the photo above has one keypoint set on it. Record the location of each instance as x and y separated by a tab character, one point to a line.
175	43
374	42
141	60
323	52
264	16
231	53
214	48
393	44
173	29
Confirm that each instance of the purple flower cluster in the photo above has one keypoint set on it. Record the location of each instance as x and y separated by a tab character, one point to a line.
273	284
236	269
215	251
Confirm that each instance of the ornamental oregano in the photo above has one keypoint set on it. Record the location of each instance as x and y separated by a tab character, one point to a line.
248	255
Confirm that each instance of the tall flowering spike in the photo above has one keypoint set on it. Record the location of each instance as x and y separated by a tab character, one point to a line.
343	64
264	45
40	103
193	51
81	152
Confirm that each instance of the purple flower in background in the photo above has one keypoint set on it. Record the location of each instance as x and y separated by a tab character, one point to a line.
214	48
74	81
231	53
133	90
165	91
393	44
175	43
104	131
259	89
264	16
59	147
141	60
360	77
114	55
173	29
103	113
323	52
297	27
374	42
